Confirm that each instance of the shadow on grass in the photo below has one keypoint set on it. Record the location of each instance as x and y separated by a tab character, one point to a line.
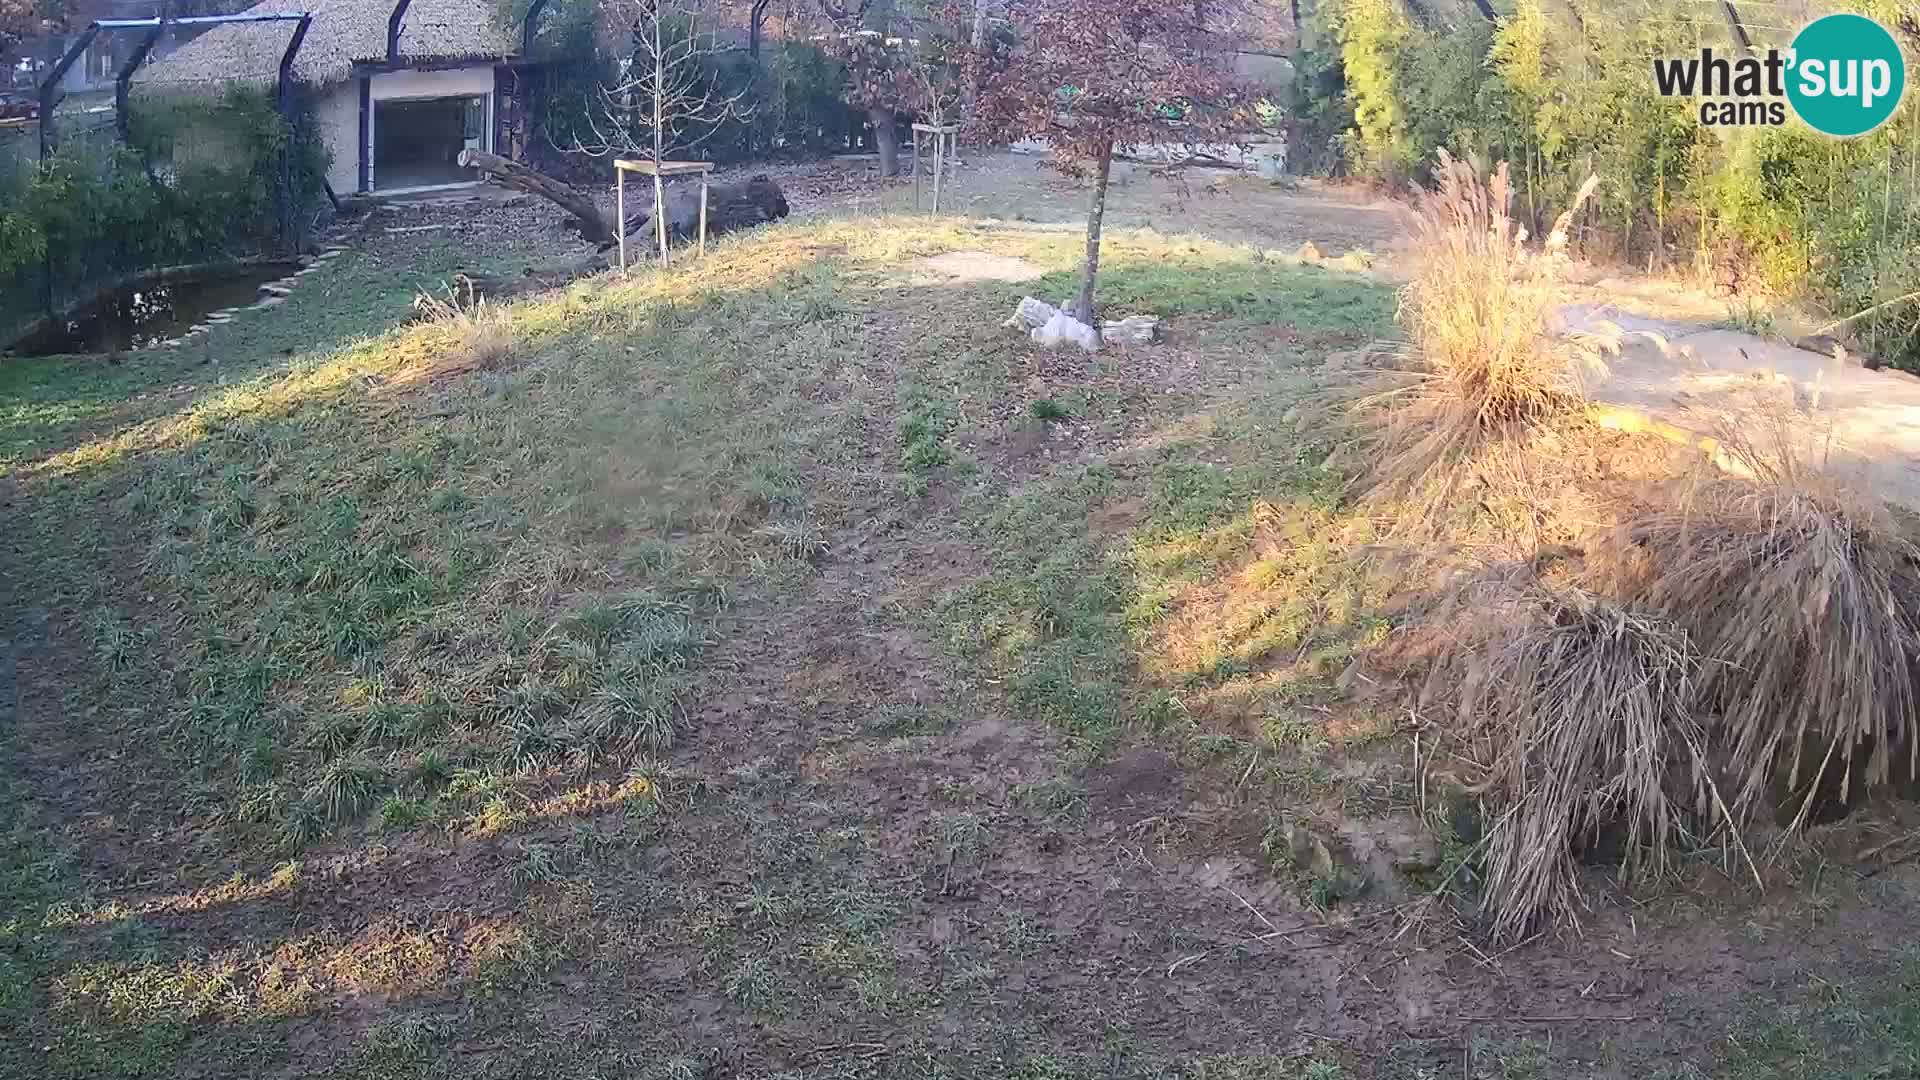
400	584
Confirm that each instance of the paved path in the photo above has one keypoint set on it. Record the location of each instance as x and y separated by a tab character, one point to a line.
1868	422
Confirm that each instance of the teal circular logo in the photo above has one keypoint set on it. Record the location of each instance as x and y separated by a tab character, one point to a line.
1845	75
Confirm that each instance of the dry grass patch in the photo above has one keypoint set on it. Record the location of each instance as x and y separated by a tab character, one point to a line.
1668	652
480	336
1580	708
1805	595
1663	657
1481	359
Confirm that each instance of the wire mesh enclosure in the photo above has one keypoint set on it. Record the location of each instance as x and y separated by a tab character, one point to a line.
111	181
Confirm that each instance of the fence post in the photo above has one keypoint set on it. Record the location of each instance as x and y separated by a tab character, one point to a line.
283	104
51	84
123	82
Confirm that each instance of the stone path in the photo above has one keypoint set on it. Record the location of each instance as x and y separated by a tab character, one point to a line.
1693	378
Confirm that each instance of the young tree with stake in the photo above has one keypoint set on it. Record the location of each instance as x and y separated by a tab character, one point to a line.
901	59
1090	76
664	96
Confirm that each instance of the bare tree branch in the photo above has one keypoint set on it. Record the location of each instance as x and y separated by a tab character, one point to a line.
664	96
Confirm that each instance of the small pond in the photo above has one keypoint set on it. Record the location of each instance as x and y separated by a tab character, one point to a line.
151	311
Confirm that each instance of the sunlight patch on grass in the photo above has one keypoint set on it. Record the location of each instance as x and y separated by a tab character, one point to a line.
1220	574
1284	588
241	888
246	983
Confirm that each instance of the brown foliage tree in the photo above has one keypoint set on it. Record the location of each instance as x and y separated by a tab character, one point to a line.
21	20
1089	76
899	59
879	80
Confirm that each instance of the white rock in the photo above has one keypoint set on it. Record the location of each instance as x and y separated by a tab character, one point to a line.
1031	314
1064	328
1132	330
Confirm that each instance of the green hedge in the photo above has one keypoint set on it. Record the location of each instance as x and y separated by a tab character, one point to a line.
196	182
1562	94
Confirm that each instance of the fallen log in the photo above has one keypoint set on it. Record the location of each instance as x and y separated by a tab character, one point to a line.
730	208
593	227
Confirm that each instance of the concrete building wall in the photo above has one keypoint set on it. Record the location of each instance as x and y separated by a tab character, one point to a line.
338	110
338	115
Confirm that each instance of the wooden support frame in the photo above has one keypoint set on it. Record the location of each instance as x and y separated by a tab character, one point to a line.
659	172
123	82
944	140
530	28
395	22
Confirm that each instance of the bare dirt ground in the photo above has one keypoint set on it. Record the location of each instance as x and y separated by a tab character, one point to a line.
869	851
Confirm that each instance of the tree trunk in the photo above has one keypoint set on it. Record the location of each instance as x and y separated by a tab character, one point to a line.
756	20
592	226
1083	305
886	139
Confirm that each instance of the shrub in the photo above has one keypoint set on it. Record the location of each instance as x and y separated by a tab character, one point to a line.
481	335
1581	707
1373	37
1565	94
197	181
1745	651
1477	314
1805	598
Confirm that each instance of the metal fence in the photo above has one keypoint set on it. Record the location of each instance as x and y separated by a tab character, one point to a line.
19	152
110	206
68	273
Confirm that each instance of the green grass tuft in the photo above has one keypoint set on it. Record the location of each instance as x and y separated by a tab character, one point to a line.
345	789
1048	409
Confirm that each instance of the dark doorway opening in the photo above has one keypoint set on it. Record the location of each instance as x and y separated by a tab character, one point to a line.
417	142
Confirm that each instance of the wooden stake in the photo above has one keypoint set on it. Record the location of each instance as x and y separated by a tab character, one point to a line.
703	213
943	142
939	167
660	217
620	213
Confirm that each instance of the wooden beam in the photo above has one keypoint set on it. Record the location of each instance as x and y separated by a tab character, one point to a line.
1738	28
394	22
530	27
123	82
